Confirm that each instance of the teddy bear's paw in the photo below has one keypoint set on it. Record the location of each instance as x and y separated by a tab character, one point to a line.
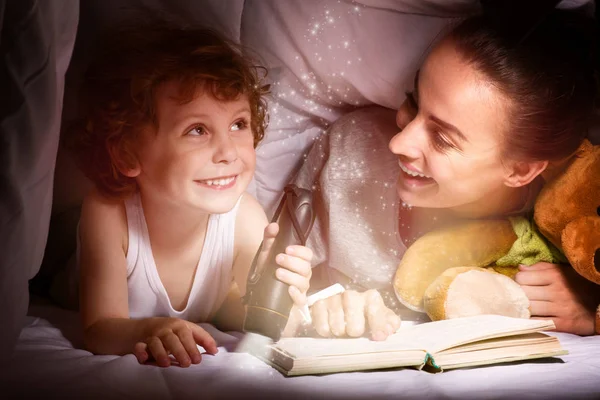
476	243
581	243
468	291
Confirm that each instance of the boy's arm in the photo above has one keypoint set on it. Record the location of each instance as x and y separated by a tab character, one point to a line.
250	223
103	278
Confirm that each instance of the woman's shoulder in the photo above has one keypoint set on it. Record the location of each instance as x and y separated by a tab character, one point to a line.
370	123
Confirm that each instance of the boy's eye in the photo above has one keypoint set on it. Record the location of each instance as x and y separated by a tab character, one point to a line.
197	131
239	125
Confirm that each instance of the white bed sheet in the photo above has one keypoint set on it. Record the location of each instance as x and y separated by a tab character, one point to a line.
48	362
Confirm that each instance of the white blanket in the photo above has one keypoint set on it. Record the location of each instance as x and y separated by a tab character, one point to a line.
49	362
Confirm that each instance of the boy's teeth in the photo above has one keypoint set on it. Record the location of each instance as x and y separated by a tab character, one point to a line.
413	173
219	182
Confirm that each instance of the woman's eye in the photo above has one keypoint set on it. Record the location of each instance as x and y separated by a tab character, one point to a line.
197	131
412	100
239	125
440	143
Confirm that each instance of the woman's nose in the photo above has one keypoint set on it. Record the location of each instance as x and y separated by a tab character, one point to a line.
409	141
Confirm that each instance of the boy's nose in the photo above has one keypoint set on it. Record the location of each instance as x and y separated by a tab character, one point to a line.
225	149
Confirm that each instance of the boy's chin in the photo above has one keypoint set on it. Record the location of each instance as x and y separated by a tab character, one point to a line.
221	207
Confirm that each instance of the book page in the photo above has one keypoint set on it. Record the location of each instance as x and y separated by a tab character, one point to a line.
440	335
325	347
431	337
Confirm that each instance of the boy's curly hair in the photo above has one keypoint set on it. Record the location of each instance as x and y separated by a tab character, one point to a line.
117	96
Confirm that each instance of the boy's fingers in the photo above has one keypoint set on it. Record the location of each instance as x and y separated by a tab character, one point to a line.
187	340
302	252
267	243
294	264
204	339
298	297
139	351
292	279
175	347
157	349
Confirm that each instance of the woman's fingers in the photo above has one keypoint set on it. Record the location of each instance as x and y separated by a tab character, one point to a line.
354	312
382	321
537	293
320	316
337	322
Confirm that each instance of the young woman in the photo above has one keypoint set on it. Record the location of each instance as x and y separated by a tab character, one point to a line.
490	113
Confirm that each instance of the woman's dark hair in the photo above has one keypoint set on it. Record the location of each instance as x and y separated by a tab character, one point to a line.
548	75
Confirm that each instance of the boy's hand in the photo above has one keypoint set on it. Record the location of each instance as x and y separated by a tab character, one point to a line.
296	270
557	292
174	336
349	313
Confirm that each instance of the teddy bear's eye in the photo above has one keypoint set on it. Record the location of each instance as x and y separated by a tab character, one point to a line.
598	210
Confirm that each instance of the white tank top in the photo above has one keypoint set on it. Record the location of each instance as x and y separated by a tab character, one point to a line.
213	276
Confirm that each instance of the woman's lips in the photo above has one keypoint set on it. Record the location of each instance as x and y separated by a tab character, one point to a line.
413	178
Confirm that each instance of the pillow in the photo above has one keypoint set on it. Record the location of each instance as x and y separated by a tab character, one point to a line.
327	58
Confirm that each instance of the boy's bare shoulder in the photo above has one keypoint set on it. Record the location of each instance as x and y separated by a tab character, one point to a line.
103	214
251	217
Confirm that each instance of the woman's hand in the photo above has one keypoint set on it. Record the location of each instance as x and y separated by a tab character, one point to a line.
349	314
177	337
557	292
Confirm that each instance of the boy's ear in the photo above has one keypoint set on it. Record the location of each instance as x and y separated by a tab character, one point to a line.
521	173
125	161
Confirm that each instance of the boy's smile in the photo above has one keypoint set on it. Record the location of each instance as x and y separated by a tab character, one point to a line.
220	183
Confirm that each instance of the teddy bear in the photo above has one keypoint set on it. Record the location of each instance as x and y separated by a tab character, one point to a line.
468	269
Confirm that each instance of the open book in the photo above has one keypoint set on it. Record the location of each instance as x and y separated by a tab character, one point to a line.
434	346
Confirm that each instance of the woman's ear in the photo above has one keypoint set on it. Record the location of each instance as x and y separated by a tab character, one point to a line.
521	173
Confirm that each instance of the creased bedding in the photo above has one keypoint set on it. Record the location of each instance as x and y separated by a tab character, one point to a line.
47	363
